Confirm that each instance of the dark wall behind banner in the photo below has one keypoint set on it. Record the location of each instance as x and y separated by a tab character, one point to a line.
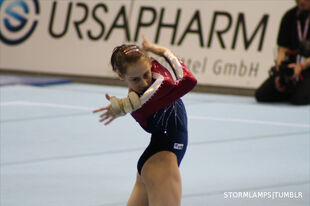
226	43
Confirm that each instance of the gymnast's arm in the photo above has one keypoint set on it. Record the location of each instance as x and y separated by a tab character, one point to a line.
185	81
160	94
165	90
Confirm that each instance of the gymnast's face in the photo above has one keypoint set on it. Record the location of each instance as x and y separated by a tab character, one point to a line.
138	75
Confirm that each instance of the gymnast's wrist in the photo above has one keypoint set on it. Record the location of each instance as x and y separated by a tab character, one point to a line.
158	50
126	105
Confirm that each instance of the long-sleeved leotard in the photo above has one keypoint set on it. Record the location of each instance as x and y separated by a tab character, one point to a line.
163	113
164	90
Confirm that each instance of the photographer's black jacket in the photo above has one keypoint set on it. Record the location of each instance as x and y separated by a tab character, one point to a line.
288	32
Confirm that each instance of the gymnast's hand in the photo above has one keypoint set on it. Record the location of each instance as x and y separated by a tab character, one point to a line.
154	48
108	115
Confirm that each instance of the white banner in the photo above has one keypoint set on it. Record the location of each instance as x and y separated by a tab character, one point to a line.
227	43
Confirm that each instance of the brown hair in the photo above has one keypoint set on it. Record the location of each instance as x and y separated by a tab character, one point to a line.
126	54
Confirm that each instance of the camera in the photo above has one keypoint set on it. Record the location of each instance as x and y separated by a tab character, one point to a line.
284	72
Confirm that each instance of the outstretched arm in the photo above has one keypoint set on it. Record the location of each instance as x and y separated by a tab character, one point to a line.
119	107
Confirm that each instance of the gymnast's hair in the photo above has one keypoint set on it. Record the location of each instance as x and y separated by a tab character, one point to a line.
125	55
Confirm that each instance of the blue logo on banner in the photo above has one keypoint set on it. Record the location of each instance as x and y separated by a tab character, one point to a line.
13	17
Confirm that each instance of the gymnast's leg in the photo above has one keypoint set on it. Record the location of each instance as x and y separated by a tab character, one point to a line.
162	179
138	195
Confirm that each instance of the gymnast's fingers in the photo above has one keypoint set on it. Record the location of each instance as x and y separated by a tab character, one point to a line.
100	109
104	114
104	118
108	122
107	113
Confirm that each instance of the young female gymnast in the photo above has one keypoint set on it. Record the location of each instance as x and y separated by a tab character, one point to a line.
154	102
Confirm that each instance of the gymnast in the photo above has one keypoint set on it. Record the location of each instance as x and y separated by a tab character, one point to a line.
154	102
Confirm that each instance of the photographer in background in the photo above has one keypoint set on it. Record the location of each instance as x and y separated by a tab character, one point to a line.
290	78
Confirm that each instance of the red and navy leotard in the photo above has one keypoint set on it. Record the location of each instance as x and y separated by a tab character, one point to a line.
163	113
165	90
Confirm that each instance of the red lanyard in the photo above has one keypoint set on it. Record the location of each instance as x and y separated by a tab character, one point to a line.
303	36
